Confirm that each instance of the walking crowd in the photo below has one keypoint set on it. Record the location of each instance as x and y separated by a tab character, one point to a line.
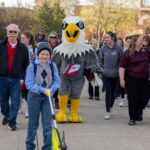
31	69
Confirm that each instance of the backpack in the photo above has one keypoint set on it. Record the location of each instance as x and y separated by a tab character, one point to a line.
35	68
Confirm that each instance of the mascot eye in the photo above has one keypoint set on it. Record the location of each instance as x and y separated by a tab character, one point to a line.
80	25
64	25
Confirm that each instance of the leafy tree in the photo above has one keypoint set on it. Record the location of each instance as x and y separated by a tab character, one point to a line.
58	16
67	5
48	17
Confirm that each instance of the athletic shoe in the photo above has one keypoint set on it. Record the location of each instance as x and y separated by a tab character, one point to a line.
123	103
132	123
4	121
107	116
97	98
12	127
90	97
26	114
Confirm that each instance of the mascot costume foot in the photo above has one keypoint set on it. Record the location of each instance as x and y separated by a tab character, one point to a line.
62	115
74	117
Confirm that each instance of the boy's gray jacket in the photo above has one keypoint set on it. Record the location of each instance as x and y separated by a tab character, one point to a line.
109	59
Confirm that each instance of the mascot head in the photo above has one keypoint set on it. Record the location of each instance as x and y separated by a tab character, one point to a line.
73	38
73	30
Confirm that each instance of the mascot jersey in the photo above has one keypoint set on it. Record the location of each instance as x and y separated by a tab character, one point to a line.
72	56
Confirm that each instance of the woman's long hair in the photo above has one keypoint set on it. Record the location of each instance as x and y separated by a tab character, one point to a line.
132	47
112	35
29	35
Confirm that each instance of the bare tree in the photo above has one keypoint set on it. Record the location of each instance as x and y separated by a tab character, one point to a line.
19	15
106	15
69	6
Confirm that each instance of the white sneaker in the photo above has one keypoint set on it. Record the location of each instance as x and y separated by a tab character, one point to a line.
107	115
26	114
123	103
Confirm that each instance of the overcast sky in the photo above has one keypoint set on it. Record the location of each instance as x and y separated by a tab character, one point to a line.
13	2
30	2
26	2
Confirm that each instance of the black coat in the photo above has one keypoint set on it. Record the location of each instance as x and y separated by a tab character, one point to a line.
21	60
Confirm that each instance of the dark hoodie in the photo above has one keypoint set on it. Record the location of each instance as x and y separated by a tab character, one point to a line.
109	59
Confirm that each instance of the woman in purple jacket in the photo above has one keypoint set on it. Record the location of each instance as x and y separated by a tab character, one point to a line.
133	73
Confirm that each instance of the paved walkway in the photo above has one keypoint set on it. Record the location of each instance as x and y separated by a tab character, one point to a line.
94	134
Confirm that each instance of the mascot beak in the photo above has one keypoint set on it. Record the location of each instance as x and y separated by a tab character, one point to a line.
72	32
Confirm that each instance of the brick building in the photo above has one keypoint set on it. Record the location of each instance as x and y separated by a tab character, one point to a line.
144	17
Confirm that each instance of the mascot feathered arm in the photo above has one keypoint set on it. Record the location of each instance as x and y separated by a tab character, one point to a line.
92	62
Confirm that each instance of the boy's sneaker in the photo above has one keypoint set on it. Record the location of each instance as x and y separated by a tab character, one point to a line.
107	115
12	127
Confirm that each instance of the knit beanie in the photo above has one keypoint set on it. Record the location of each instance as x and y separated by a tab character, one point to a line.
43	46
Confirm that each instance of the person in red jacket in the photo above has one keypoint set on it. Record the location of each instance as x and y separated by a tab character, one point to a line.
14	60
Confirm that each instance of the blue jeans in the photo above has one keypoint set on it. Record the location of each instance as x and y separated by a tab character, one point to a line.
39	104
5	109
9	88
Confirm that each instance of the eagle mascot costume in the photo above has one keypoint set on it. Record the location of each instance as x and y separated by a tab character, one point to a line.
72	57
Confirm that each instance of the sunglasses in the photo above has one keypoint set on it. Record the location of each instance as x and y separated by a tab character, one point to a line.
11	31
52	37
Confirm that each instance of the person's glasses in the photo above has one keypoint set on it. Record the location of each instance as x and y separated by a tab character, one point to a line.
52	37
11	31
